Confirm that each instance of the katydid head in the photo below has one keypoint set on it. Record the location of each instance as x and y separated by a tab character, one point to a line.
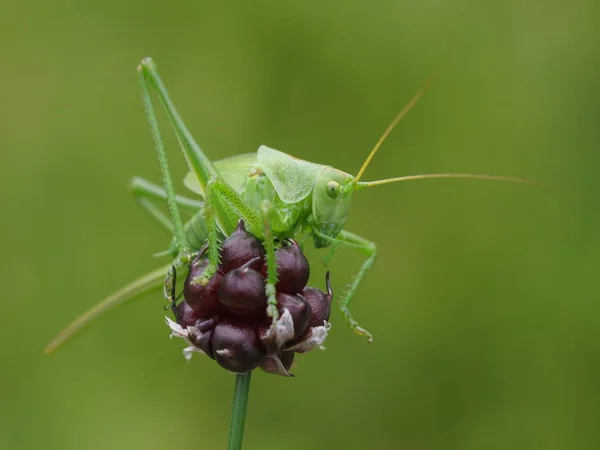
330	205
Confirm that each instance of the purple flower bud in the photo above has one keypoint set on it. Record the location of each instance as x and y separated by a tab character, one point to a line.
185	315
239	248
320	303
236	347
242	292
298	308
201	335
227	319
293	270
279	364
202	299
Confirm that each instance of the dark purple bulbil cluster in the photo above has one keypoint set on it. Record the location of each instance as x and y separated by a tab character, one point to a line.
226	319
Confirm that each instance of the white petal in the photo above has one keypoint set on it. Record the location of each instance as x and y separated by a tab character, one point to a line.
277	368
189	351
185	334
283	329
316	337
177	330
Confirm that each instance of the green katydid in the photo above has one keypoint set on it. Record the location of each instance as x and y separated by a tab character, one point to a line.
276	195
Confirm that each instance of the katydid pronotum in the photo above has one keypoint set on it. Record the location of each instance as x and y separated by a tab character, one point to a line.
276	195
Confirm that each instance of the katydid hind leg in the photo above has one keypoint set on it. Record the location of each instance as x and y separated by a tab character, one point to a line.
145	284
176	222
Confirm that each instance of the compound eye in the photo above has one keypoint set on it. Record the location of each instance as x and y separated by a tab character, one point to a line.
332	189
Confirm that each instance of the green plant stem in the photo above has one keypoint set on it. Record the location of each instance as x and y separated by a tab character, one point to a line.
238	411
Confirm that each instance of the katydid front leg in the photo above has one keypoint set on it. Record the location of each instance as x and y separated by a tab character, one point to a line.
370	249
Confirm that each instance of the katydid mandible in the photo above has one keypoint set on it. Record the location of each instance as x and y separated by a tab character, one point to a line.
277	196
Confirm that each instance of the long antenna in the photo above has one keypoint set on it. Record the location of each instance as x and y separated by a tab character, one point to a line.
391	126
364	184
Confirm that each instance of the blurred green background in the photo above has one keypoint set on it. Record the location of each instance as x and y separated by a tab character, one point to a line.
482	302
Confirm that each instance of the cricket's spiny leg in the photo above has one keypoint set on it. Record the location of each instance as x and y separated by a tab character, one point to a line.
370	249
266	210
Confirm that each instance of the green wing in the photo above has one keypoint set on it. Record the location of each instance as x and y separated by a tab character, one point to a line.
234	170
292	178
